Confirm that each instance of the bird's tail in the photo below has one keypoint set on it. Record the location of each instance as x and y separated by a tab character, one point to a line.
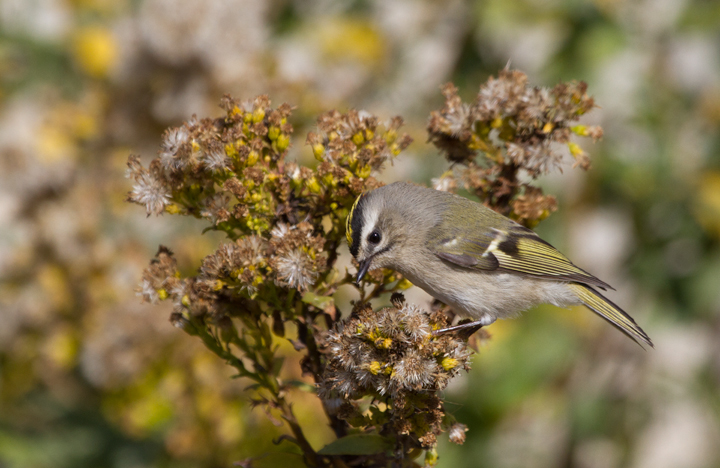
605	308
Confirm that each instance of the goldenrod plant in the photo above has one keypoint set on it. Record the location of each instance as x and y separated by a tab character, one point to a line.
378	373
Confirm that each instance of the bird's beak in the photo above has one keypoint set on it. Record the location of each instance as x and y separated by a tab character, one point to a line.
364	267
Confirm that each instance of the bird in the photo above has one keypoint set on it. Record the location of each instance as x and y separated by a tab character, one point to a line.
482	264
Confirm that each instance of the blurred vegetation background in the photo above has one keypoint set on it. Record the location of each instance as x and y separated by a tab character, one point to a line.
90	377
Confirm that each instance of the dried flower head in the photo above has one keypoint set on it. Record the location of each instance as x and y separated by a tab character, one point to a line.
392	356
285	224
149	189
517	129
159	277
295	269
456	434
173	149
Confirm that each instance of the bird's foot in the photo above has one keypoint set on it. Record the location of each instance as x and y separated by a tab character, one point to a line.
466	328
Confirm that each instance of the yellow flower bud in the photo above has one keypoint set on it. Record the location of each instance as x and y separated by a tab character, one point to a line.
448	363
96	50
231	151
258	115
548	127
383	343
364	173
375	368
475	143
283	142
358	139
404	284
369	134
318	151
173	208
185	301
313	185
575	149
431	457
497	122
273	133
162	294
253	158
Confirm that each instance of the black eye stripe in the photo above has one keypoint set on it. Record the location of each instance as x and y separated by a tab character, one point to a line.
356	224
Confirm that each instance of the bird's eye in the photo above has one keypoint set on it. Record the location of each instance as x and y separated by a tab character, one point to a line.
374	237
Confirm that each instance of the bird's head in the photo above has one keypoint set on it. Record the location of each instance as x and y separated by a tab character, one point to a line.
375	231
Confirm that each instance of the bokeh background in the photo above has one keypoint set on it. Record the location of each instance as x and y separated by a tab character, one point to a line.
91	377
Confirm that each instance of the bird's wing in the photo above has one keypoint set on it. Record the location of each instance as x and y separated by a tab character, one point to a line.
510	248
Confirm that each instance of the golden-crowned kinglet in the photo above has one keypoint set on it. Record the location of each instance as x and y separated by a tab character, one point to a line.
482	264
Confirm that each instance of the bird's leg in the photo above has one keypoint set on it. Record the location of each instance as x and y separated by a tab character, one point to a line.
466	329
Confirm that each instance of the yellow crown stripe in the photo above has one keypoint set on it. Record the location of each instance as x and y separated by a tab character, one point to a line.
348	221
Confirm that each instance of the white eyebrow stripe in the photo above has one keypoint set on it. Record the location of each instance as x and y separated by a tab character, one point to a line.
371	219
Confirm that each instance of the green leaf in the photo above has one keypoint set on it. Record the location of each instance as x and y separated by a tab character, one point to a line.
357	444
321	302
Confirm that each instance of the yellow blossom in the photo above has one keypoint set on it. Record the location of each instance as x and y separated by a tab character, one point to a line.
448	363
404	284
273	133
283	142
95	50
313	185
258	115
318	151
364	173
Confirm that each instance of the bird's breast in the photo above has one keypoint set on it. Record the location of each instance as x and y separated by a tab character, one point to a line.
478	294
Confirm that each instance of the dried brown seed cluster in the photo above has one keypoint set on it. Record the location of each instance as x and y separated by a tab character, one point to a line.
379	371
516	127
231	171
392	356
352	139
